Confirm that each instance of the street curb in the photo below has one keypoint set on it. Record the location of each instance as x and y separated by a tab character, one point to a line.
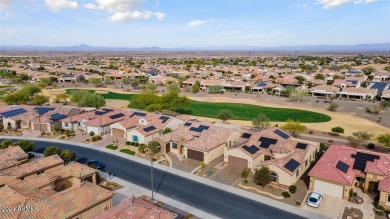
217	185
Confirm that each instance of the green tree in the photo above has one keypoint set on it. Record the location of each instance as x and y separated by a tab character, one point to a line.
387	68
337	130
172	101
152	147
362	135
263	176
295	127
215	89
261	122
245	173
224	114
92	133
384	139
39	100
51	150
146	99
298	94
196	87
173	87
68	155
85	98
287	90
5	144
41	84
368	70
319	76
150	88
95	81
142	148
384	104
247	89
126	80
26	145
108	80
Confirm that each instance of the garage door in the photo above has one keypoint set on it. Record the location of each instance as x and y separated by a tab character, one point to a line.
196	155
328	188
43	127
237	162
118	133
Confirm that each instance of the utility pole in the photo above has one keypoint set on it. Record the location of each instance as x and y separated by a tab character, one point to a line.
151	166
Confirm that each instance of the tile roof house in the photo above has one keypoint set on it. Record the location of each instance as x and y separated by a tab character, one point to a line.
25	170
358	93
287	157
198	140
341	83
11	156
386	95
342	168
323	91
142	127
137	208
65	192
105	118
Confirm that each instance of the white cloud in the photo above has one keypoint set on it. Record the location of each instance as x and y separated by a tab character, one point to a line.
125	10
328	4
196	23
4	3
90	6
57	5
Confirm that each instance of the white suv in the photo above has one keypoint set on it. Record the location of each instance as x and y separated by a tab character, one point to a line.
315	199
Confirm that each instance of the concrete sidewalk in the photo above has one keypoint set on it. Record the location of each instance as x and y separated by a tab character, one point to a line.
217	185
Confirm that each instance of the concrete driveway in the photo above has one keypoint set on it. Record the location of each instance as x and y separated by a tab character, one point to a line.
229	175
330	206
187	165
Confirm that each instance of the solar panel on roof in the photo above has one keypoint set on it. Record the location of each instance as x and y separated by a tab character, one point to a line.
195	129
342	166
252	149
137	114
117	116
164	119
268	140
361	160
99	113
57	116
107	110
281	134
187	124
204	127
264	145
301	146
150	128
291	165
43	110
246	135
13	112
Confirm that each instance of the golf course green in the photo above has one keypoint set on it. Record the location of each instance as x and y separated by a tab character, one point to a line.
240	111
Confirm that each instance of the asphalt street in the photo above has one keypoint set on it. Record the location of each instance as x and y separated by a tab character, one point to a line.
215	201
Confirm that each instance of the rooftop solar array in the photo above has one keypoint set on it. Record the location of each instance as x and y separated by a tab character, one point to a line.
342	166
264	145
361	160
381	86
261	84
99	113
201	128
107	110
43	110
164	119
246	135
117	116
187	124
268	140
14	112
150	128
301	146
291	165
57	116
252	149
137	114
281	134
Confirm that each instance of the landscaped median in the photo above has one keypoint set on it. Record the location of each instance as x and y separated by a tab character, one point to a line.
240	111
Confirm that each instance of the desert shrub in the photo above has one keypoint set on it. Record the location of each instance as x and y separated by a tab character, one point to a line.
127	142
286	194
96	138
371	146
292	189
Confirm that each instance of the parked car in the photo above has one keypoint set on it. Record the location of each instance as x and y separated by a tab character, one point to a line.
315	199
96	164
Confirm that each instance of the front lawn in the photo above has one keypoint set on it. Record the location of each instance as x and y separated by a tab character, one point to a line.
112	147
240	111
127	151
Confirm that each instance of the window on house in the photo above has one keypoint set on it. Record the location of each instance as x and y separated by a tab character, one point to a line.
274	177
174	145
135	138
388	198
78	123
267	157
306	163
66	124
297	173
62	187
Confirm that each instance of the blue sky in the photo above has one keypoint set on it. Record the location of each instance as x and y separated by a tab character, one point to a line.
198	23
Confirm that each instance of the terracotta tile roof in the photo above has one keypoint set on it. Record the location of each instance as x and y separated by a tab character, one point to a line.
32	167
33	183
105	120
324	87
326	166
150	119
11	156
73	169
65	204
136	208
359	91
